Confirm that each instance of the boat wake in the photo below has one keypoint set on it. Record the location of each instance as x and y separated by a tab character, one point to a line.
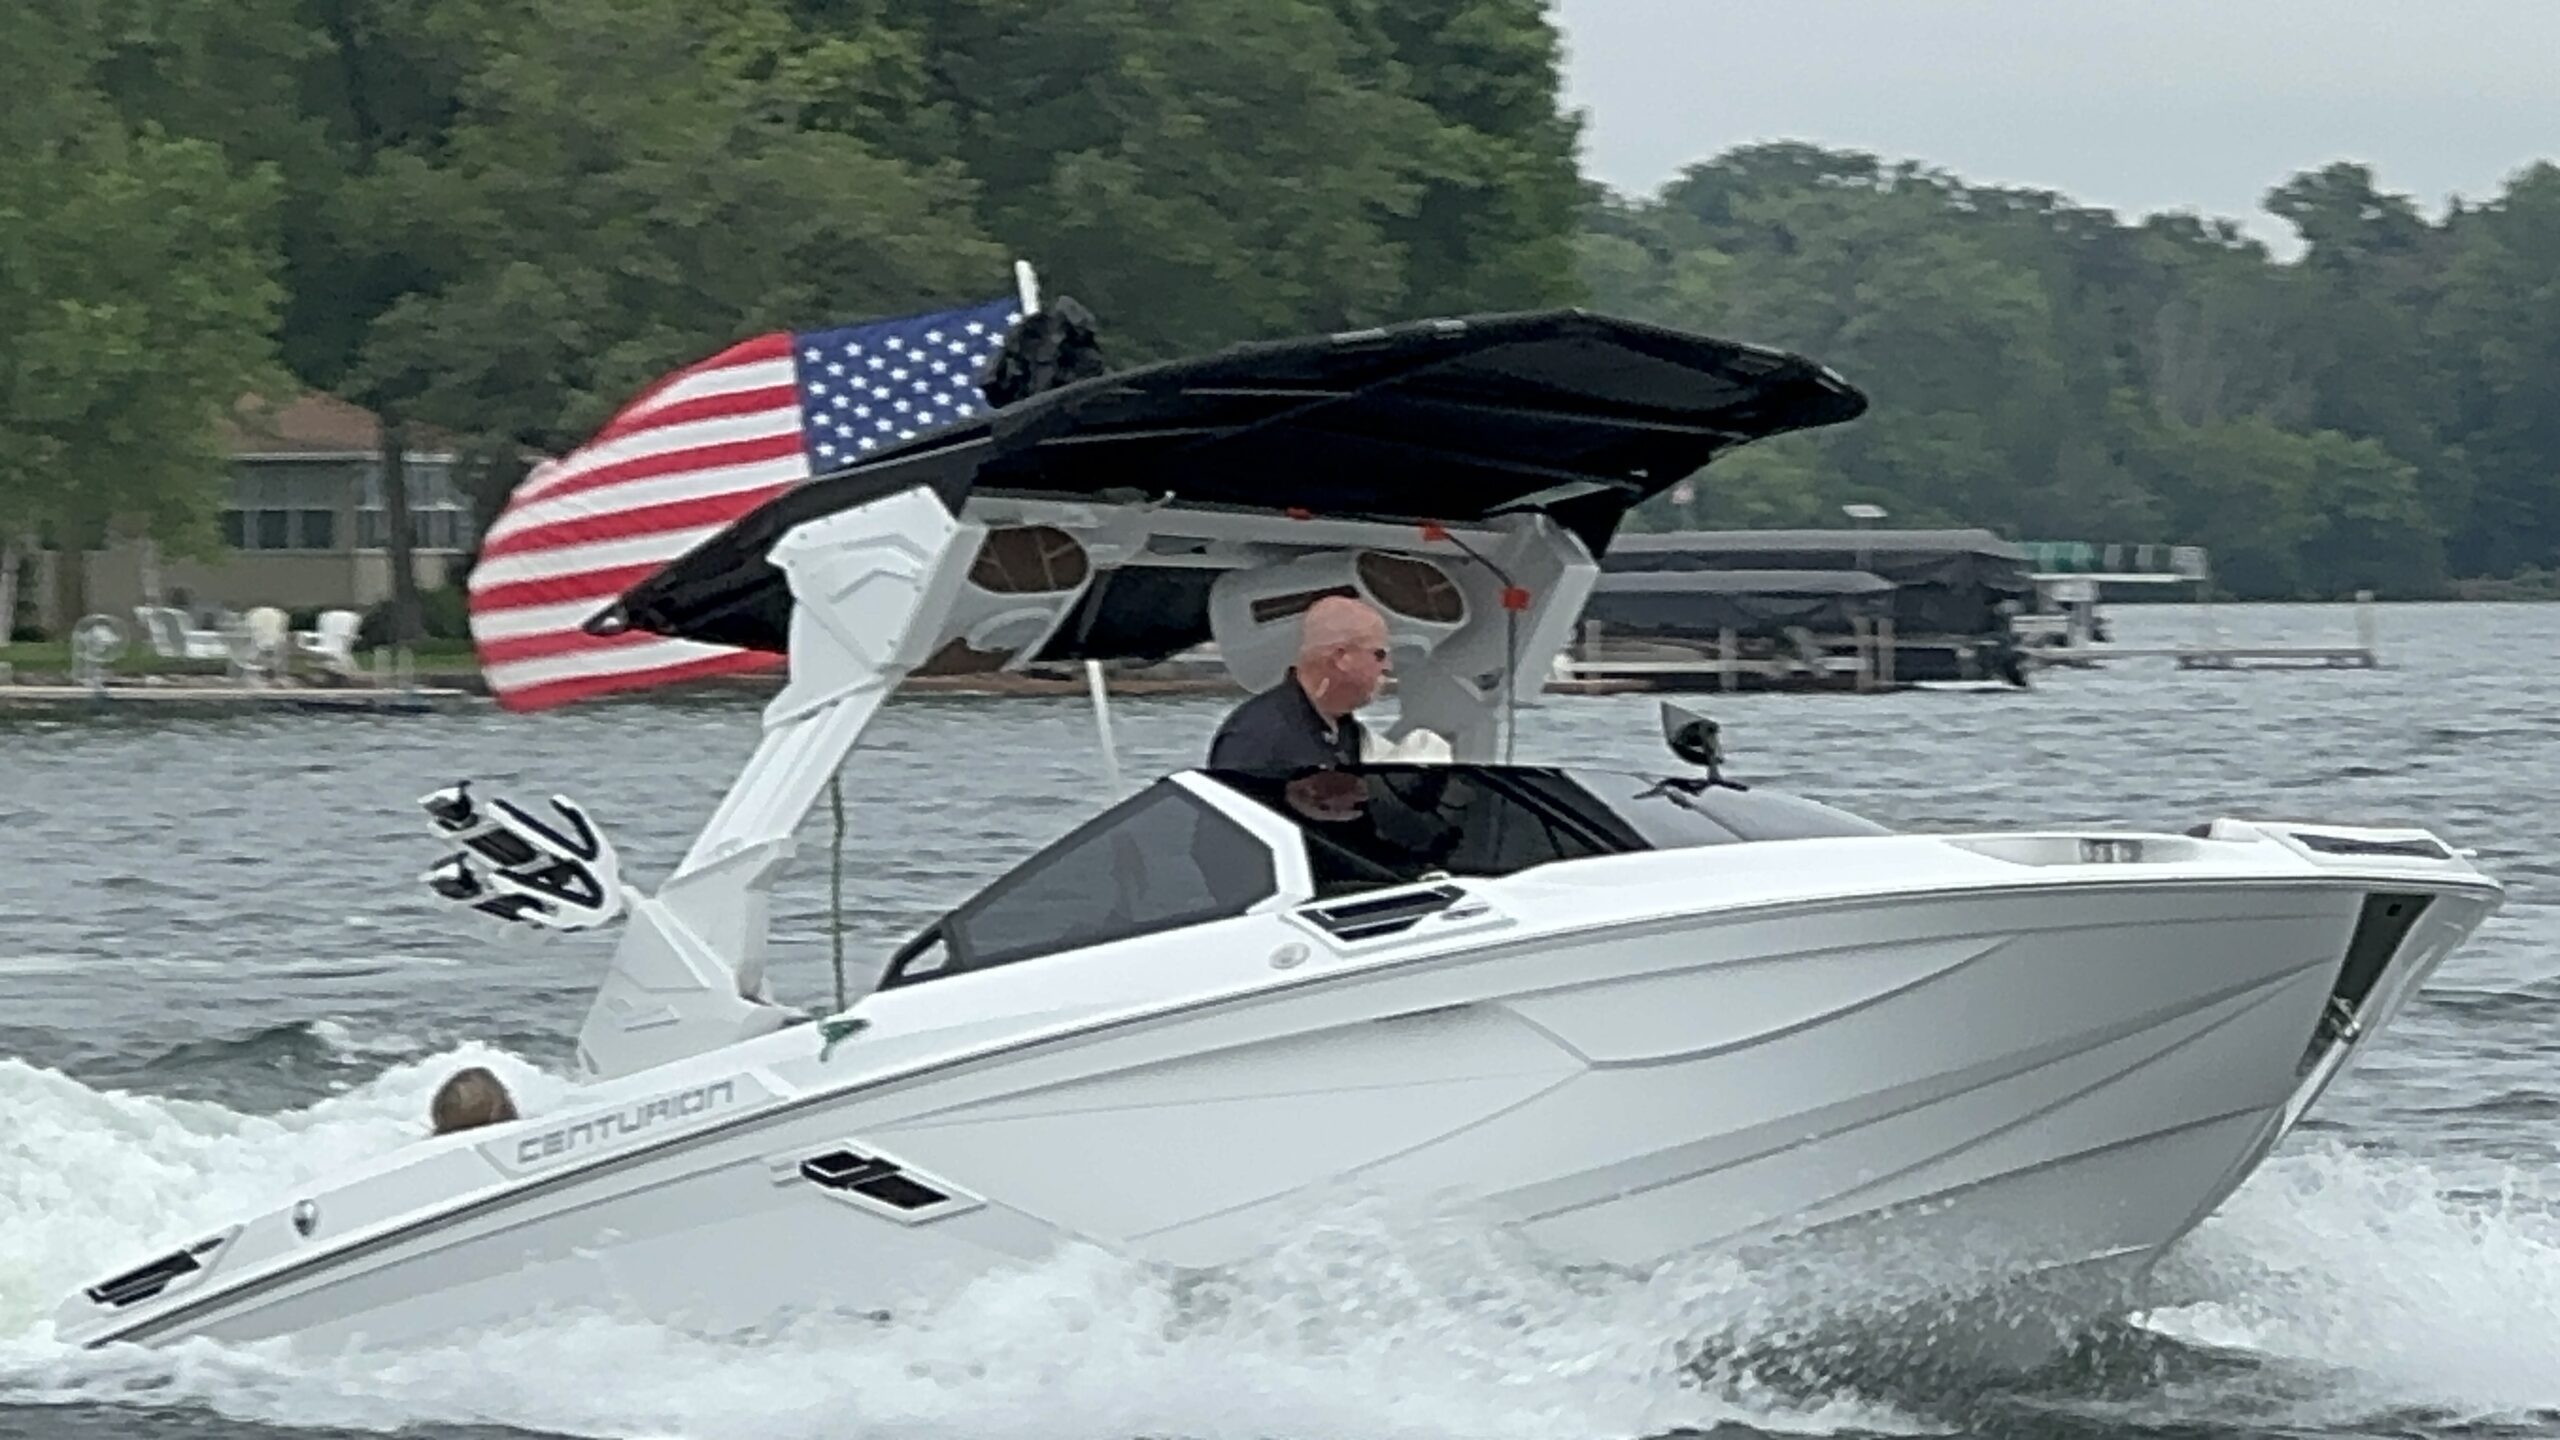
2336	1286
2375	1289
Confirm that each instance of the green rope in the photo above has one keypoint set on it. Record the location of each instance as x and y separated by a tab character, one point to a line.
835	889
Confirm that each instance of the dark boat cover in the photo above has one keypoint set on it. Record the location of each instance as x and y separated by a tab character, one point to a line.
1454	421
1947	582
1702	604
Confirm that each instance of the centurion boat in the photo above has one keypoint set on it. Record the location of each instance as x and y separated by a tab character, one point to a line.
1632	1016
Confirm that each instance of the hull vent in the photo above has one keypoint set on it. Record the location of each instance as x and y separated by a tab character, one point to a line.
1386	915
144	1281
882	1184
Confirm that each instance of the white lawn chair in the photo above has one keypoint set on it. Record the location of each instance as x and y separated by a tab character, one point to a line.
266	642
333	644
171	639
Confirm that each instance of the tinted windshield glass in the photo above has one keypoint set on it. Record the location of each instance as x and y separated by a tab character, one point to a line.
1393	824
1156	861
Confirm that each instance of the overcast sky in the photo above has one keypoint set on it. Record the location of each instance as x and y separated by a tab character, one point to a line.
2136	105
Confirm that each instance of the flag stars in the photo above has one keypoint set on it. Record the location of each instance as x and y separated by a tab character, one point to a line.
870	388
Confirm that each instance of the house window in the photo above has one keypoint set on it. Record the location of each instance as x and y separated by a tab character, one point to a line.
282	505
439	517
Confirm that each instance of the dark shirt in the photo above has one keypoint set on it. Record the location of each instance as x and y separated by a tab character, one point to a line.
1278	732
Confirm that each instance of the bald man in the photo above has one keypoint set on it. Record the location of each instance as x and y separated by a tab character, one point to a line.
1304	722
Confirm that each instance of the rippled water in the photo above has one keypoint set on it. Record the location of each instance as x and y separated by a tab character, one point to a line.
217	976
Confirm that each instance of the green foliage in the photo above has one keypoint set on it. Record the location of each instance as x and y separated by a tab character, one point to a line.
443	614
601	207
137	299
2381	413
502	218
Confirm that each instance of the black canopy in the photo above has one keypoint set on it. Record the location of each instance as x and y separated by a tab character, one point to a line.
1946	581
1578	415
1700	604
1941	557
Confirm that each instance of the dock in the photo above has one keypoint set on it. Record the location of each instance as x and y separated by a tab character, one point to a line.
2064	630
229	699
2231	657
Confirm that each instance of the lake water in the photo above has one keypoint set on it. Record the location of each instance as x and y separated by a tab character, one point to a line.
218	976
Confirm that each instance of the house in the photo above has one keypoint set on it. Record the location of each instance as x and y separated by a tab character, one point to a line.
304	527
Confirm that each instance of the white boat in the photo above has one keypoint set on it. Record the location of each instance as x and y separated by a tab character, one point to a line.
1636	1018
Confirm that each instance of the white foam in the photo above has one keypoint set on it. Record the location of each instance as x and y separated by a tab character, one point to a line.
93	1178
1362	1325
343	1040
2365	1267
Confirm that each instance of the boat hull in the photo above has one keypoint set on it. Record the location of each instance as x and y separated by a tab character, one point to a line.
1964	1091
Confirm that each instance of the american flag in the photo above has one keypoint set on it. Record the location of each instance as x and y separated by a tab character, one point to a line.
697	450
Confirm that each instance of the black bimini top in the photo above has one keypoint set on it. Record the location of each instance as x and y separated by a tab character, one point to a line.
1454	421
1699	604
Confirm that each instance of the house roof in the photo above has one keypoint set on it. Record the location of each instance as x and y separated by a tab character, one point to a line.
317	424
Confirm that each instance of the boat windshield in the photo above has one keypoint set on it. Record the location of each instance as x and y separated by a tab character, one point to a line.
1394	824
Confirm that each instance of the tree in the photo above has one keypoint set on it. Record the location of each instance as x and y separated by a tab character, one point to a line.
138	302
1196	172
606	206
1493	226
2496	334
2378	414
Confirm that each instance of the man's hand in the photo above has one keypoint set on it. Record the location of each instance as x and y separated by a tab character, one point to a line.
1327	795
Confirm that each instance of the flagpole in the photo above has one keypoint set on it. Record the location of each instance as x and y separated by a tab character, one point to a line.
1026	286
